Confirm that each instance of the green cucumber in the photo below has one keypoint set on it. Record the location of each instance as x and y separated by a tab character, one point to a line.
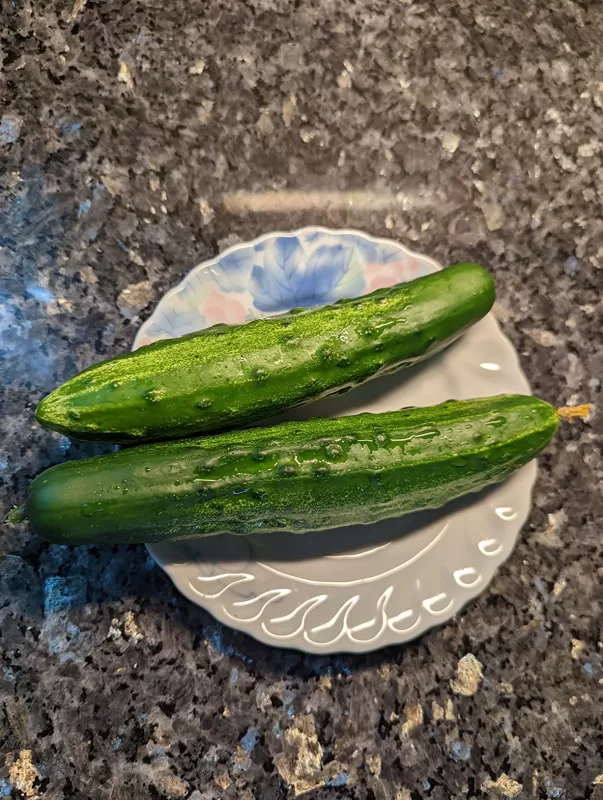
229	376
297	476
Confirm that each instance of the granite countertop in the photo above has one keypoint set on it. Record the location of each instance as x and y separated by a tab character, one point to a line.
138	138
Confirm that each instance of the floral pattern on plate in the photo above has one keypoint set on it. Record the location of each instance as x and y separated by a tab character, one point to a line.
282	271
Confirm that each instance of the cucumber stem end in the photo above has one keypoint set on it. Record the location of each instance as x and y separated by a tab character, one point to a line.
575	412
16	515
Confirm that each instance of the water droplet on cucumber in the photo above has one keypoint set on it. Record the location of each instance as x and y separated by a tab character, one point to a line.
496	422
88	509
419	433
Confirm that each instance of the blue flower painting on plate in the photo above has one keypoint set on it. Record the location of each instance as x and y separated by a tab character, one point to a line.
293	277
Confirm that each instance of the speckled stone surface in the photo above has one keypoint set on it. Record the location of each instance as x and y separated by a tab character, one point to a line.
136	139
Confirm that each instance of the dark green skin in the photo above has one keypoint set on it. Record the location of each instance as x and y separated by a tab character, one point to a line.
298	476
233	375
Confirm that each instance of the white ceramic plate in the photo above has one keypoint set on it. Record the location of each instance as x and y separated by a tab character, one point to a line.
357	588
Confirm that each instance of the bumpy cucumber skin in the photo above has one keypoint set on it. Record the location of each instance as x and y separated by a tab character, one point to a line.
230	376
298	476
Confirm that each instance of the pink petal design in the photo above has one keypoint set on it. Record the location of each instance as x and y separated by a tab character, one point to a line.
219	308
414	266
380	276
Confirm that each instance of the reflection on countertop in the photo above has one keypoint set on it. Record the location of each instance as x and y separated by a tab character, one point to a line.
137	139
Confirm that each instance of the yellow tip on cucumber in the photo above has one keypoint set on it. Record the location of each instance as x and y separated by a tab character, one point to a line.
575	412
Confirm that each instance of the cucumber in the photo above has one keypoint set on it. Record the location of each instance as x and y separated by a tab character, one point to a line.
231	376
297	476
